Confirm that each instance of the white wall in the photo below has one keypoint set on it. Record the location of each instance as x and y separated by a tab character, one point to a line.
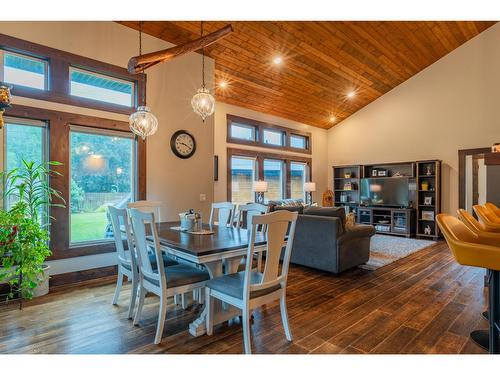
453	104
175	182
319	146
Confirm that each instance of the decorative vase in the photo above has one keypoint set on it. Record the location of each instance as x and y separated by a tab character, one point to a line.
425	186
43	286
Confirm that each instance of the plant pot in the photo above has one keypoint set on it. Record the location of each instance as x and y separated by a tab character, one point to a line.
43	286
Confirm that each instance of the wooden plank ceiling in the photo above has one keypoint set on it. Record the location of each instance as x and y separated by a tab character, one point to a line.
322	61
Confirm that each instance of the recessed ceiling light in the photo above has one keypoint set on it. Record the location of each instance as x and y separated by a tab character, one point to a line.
332	118
277	60
222	84
351	94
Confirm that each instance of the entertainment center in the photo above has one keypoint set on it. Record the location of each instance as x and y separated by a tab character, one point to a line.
396	198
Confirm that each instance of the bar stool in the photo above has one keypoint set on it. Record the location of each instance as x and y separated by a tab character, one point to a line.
493	208
477	250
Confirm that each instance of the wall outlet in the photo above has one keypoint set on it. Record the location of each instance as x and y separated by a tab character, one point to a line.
203	197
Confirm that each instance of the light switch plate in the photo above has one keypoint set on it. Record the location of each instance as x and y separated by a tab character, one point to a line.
203	197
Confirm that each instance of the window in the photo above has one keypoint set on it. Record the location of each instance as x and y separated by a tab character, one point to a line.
261	134
272	137
243	171
90	85
102	173
23	70
298	141
273	174
243	132
298	175
23	140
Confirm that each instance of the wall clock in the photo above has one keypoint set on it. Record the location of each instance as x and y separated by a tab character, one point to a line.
183	144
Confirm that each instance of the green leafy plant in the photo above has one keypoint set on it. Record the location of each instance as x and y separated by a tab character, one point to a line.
24	228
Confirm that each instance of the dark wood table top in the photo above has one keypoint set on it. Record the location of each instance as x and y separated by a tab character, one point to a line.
223	239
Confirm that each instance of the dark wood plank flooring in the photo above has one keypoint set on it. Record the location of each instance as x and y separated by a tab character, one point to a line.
425	303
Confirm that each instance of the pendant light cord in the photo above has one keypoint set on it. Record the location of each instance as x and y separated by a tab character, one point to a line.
202	60
143	93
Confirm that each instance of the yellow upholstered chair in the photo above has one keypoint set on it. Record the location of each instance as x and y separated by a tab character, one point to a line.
475	249
476	226
489	219
493	208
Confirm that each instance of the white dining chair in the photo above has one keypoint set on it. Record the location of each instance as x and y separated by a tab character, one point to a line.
163	281
245	214
249	289
147	206
225	213
127	265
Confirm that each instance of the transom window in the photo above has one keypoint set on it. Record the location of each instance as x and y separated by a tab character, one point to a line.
23	70
244	132
298	141
272	137
260	134
90	85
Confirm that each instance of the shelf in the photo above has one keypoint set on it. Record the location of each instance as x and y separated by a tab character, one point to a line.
426	175
427	206
346	178
393	177
429	221
426	235
342	190
427	191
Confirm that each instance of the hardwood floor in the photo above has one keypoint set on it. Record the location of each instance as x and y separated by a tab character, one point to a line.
425	303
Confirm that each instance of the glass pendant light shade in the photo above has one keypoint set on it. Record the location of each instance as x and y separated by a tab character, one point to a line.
203	103
143	122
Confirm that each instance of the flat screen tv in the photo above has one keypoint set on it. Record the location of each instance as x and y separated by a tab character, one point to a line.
392	192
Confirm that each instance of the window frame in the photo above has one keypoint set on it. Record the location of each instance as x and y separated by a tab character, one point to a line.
58	86
283	169
254	132
230	168
306	177
29	56
108	133
259	128
259	174
58	145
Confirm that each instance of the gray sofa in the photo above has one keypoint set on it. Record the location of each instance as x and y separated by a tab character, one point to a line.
322	240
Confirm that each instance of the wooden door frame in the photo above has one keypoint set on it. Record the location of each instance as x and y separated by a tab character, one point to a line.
462	157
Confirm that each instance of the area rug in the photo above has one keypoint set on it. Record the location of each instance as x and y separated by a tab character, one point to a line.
387	249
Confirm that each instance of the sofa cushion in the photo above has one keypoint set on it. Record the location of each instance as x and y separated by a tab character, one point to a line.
299	209
327	211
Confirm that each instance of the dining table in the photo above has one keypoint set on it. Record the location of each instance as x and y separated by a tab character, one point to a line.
220	252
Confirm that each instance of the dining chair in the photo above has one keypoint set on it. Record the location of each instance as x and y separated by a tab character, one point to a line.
147	206
225	213
245	214
249	289
127	264
163	281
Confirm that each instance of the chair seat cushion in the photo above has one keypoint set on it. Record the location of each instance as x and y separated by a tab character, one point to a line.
167	261
181	274
232	285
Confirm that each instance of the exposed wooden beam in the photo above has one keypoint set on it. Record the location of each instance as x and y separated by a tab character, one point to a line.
138	64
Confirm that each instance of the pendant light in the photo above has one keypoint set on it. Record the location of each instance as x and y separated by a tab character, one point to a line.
143	122
203	102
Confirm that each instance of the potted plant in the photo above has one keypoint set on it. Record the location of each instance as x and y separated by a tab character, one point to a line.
24	227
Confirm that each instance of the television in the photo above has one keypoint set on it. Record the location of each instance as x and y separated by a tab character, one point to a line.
385	192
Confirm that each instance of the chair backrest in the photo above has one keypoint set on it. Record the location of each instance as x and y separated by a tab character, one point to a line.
247	211
120	222
493	208
470	221
140	221
466	246
225	213
488	218
147	206
278	224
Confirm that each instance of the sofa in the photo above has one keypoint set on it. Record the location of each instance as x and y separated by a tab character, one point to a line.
324	242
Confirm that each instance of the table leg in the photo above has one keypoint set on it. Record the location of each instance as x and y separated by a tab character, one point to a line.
198	327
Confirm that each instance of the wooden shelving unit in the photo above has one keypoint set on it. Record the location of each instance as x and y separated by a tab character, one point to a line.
342	176
417	172
428	198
